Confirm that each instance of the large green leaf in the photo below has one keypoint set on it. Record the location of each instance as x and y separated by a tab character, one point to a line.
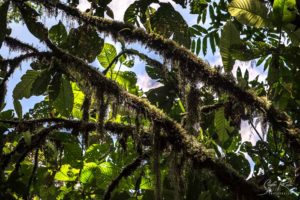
23	88
3	23
78	101
222	126
30	17
168	22
58	33
96	152
72	155
39	86
18	108
284	11
84	42
239	162
137	9
107	55
64	101
66	173
89	173
250	12
230	36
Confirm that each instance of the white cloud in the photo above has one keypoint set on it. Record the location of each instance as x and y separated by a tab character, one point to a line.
119	7
83	5
146	83
248	133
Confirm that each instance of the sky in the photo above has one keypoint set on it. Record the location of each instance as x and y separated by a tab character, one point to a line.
144	82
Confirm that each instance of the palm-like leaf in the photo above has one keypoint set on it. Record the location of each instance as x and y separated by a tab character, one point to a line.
230	36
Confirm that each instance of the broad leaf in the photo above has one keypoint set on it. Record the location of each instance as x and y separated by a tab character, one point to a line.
18	108
23	88
89	173
168	22
78	101
230	36
66	173
64	101
284	11
39	86
250	12
222	126
58	33
107	55
84	42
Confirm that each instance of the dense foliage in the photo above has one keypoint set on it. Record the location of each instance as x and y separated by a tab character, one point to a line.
96	134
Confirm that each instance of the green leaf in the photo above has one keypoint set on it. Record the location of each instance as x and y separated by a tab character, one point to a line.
3	23
89	172
30	17
78	101
163	97
58	34
64	101
18	108
66	173
84	42
126	79
197	6
221	125
198	47
249	12
230	36
23	88
137	9
239	162
107	55
284	11
204	45
54	86
96	151
72	155
27	137
39	86
168	22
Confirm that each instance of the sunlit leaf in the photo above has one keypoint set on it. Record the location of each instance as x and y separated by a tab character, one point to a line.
64	101
250	12
107	55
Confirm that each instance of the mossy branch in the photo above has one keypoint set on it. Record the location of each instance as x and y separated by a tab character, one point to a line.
192	67
177	136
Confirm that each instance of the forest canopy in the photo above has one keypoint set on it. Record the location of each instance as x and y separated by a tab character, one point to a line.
200	129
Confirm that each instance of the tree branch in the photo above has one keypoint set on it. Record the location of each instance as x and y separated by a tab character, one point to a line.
192	67
177	135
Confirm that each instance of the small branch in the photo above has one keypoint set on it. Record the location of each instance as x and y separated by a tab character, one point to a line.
126	171
16	45
209	108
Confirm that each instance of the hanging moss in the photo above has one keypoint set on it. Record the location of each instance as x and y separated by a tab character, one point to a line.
191	66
